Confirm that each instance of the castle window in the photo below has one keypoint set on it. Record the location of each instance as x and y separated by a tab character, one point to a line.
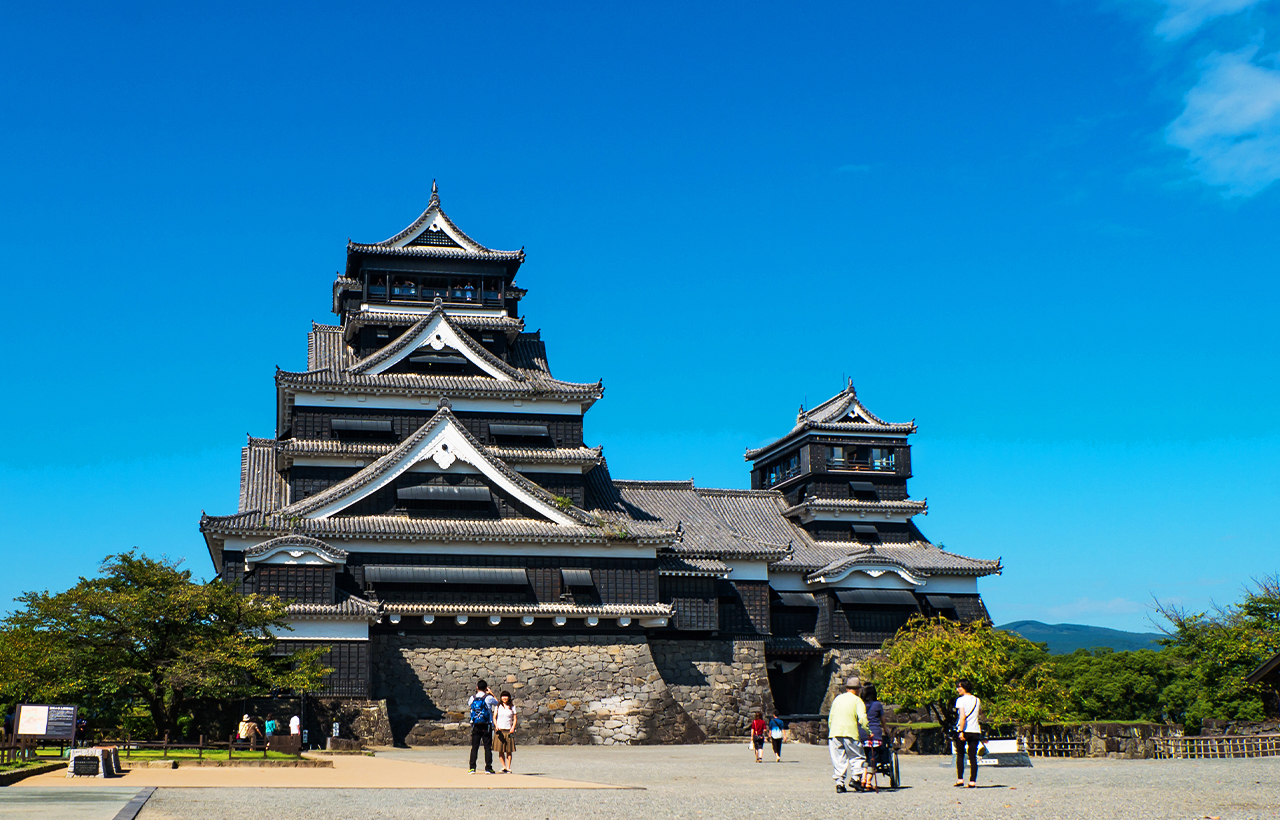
881	458
835	455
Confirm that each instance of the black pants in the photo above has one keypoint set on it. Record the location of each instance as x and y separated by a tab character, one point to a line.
969	744
482	735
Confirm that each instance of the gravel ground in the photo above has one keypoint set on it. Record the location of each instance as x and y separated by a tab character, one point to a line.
722	781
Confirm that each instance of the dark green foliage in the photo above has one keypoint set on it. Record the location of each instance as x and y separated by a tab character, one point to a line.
1106	685
144	644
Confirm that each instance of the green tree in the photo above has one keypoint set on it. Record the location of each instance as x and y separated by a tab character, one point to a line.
145	633
1212	652
918	669
1103	684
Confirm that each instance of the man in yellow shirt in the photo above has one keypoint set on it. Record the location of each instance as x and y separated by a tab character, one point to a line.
845	726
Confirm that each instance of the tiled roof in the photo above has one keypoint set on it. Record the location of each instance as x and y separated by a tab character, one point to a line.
438	252
469	248
704	532
518	455
842	413
755	514
393	458
403	527
297	541
327	349
261	487
605	610
349	608
413	338
529	353
678	565
393	318
535	385
340	285
810	504
918	557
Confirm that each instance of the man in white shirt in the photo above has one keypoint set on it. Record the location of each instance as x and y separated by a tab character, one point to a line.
295	725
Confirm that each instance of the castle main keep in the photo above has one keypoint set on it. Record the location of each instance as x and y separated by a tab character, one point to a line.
431	511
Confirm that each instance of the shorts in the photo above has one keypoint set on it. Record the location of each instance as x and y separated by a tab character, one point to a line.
758	742
504	742
777	745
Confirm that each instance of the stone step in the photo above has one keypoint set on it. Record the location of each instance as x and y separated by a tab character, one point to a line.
744	740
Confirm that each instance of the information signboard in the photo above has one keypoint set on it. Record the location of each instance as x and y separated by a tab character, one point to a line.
48	722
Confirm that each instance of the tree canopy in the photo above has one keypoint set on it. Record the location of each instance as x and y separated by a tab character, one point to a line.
1199	674
919	667
145	632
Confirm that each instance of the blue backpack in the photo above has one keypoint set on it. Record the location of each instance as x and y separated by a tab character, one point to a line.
480	708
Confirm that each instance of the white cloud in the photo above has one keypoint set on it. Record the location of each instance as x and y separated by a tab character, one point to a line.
1230	126
1181	17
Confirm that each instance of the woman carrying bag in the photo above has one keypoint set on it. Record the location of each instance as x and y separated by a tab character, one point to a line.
505	718
968	732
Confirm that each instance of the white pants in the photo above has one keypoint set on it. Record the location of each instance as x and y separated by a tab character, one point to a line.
847	759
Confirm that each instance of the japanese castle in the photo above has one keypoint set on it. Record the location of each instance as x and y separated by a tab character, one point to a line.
429	491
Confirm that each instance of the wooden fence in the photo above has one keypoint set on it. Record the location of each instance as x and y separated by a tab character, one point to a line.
1054	747
1218	746
13	750
254	746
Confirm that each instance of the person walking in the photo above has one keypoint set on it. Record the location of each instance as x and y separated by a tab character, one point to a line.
874	743
776	732
271	726
480	709
845	722
248	730
504	727
968	732
758	729
295	725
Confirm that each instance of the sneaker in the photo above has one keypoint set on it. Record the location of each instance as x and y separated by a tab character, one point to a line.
840	789
489	771
471	771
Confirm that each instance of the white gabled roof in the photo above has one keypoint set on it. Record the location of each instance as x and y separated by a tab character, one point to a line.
437	332
443	440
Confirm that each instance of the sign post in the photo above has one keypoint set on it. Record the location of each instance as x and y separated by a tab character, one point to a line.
46	722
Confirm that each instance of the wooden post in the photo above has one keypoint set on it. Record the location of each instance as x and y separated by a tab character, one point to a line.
165	746
128	746
200	747
231	742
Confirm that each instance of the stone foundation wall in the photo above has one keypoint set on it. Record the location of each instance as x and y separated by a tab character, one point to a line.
844	664
585	689
719	683
363	721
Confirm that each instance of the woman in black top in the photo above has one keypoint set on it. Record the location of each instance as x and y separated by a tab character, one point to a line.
875	724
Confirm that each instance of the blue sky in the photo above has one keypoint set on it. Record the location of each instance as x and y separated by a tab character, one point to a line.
1045	231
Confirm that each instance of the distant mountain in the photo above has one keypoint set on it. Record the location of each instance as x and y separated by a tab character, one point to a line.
1063	639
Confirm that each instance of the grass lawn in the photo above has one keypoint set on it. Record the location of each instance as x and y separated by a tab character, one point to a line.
26	764
209	754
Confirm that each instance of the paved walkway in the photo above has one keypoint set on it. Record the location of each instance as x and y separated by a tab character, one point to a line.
348	772
81	803
701	783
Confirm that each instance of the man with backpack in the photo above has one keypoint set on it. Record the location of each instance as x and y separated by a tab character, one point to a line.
480	708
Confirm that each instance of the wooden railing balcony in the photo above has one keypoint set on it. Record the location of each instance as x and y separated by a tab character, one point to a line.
416	293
